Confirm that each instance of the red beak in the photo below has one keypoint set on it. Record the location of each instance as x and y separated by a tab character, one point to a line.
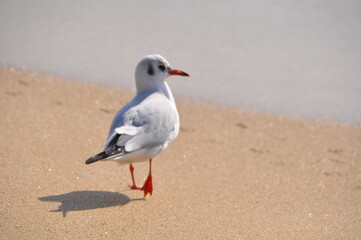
178	72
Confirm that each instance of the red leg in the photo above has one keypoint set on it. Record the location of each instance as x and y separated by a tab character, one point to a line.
134	186
148	185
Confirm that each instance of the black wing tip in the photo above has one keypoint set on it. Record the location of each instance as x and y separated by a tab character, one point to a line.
90	160
97	157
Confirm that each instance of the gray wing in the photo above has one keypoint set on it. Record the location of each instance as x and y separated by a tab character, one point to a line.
143	123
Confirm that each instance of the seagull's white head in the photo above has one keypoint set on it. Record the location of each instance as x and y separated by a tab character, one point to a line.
152	69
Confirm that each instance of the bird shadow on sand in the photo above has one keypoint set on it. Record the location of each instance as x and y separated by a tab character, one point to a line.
86	200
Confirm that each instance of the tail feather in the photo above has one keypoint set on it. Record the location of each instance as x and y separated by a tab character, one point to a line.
97	157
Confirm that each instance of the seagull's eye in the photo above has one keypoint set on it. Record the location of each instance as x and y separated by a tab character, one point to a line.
161	67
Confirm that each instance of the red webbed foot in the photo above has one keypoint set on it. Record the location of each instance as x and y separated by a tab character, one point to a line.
148	186
135	187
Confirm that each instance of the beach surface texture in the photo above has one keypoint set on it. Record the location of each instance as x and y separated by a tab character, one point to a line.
230	174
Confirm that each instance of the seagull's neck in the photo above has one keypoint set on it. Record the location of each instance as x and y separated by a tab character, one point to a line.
161	87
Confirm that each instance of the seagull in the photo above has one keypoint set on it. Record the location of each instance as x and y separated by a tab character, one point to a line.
147	124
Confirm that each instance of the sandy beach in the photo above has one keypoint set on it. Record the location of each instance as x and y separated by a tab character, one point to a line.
230	174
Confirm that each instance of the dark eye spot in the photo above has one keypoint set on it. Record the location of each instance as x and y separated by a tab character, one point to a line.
161	67
150	70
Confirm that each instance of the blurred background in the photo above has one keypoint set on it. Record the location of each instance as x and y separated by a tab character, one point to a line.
301	58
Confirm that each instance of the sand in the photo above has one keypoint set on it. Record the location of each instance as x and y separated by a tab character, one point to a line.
230	174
